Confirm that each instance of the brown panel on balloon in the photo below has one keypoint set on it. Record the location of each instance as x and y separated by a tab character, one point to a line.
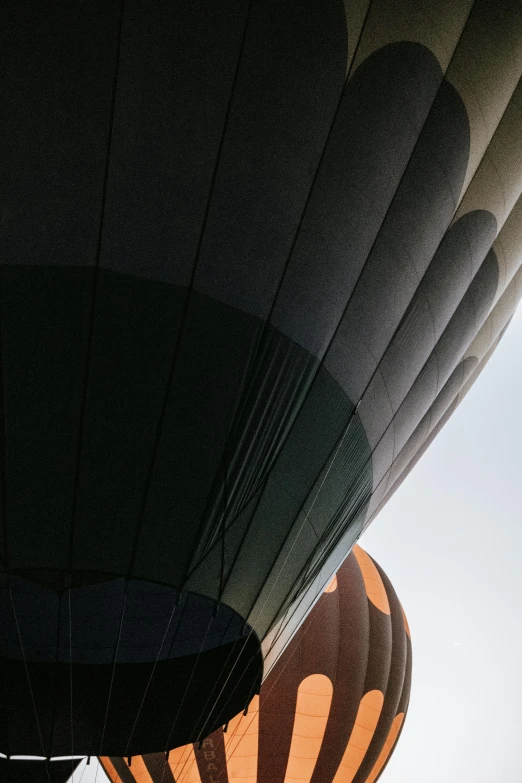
211	759
353	652
314	651
380	650
361	736
405	696
388	746
394	690
158	768
278	699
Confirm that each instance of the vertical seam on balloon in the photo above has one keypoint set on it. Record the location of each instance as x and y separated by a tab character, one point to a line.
94	292
254	354
226	630
396	622
326	535
399	326
321	361
432	433
431	429
292	653
248	488
363	270
377	368
237	407
187	300
327	466
245	534
435	356
304	575
295	607
350	61
268	596
287	619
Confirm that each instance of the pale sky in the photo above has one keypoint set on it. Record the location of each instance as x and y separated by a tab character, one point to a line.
451	542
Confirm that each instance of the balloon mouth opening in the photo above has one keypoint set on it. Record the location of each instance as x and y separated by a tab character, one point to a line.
118	667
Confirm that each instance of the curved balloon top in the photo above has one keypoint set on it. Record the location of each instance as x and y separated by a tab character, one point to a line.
253	254
330	711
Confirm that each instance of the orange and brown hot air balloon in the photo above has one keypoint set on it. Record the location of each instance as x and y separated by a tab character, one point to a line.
330	711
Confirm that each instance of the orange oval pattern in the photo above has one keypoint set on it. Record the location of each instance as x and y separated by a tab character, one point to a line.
373	583
314	699
366	722
387	749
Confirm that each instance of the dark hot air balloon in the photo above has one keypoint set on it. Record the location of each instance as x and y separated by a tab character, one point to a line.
253	253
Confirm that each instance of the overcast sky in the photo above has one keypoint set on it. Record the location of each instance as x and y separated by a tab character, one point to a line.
451	542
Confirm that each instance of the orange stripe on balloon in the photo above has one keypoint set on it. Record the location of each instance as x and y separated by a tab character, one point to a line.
241	747
314	699
373	583
387	749
331	587
363	730
109	769
183	765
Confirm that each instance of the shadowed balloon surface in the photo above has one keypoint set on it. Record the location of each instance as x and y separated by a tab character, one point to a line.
253	255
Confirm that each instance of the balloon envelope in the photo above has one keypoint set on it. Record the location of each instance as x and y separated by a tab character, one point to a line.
252	255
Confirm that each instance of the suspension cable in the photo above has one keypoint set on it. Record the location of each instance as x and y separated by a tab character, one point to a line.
29	680
174	606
